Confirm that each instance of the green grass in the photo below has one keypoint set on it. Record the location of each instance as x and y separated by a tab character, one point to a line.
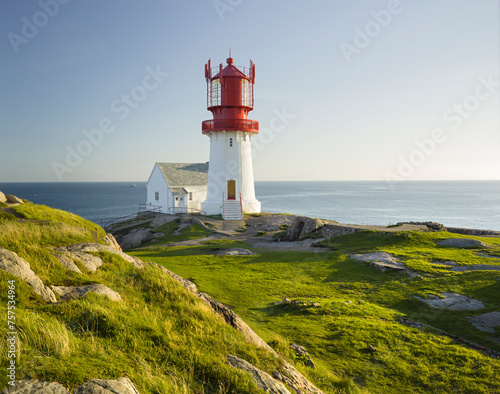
359	308
162	337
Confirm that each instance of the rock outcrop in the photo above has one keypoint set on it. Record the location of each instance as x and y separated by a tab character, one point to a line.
100	386
74	292
161	220
2	197
303	226
66	261
476	267
486	322
453	302
382	261
301	352
235	252
111	241
87	247
134	238
463	243
33	386
95	386
17	266
262	379
13	199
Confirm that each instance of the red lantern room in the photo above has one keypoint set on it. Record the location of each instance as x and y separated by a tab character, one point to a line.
230	98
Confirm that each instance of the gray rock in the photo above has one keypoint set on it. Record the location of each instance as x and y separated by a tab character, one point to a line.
303	226
262	379
17	266
296	380
89	261
111	241
157	235
135	238
66	261
13	199
302	352
101	386
449	263
33	386
236	252
87	247
74	292
477	267
486	322
161	220
454	302
2	197
383	261
463	243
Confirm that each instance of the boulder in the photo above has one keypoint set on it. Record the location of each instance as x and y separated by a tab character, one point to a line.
262	379
296	380
476	267
82	249
17	266
302	353
161	220
111	241
94	386
486	322
235	252
135	238
453	302
74	292
13	199
89	261
303	226
100	386
33	386
66	261
2	197
463	243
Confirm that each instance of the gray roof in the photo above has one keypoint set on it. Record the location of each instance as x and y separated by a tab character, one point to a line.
178	190
184	174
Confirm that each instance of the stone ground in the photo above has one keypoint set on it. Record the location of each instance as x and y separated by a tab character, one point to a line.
270	224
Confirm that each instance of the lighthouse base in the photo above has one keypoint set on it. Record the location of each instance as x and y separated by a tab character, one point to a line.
212	207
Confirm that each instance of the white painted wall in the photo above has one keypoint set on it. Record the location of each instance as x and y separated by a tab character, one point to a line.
230	162
156	183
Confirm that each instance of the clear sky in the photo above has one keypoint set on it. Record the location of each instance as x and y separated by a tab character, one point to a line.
345	90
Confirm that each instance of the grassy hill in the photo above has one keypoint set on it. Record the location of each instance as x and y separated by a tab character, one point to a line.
159	335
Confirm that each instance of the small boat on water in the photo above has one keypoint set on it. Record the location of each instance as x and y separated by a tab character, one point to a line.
129	185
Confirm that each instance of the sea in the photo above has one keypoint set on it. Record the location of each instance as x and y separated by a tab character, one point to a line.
467	204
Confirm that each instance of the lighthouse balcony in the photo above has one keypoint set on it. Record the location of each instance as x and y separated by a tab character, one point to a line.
230	124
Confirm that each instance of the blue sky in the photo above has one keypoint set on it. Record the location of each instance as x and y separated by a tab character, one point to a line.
360	90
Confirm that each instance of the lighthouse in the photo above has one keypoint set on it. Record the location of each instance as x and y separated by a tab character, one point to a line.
230	188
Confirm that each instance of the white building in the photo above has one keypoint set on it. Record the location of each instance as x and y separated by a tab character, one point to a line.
177	187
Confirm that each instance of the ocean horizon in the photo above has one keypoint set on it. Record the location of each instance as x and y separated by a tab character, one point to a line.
467	204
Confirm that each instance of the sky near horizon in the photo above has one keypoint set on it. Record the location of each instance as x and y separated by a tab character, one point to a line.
360	90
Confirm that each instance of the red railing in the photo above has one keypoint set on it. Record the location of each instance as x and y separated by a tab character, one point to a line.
230	124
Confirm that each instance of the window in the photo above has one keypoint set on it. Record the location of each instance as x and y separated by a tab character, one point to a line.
157	196
230	142
190	196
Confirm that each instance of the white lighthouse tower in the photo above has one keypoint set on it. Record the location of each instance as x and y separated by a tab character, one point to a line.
230	188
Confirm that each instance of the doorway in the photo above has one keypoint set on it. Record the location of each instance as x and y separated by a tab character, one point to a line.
231	189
